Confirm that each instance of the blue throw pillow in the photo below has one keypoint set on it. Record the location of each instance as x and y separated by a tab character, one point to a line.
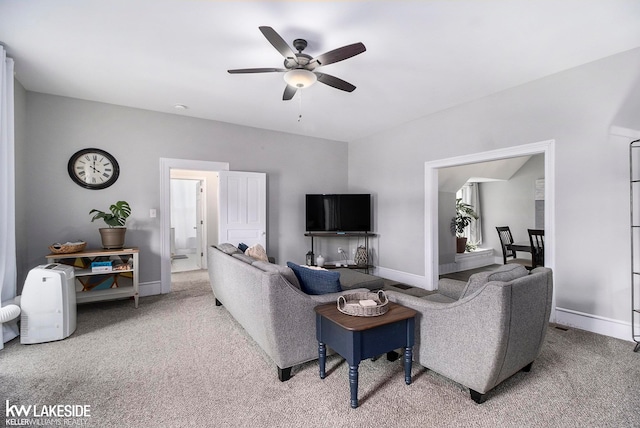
314	281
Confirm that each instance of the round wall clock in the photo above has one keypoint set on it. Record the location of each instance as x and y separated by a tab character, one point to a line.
93	169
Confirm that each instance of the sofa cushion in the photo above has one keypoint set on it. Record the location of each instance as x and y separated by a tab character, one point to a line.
350	278
505	273
257	251
228	248
316	281
285	271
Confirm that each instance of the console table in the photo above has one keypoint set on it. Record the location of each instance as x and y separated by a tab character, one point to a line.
98	286
364	235
358	338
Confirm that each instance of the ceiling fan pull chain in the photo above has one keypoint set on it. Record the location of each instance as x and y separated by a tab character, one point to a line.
300	106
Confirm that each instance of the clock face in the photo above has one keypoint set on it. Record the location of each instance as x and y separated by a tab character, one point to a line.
93	169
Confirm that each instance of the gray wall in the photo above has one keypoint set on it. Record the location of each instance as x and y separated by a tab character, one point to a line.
447	246
577	109
58	210
510	203
503	203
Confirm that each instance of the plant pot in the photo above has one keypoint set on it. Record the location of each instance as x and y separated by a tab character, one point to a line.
112	237
461	245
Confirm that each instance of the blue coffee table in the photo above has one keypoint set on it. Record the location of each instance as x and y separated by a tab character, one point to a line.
358	338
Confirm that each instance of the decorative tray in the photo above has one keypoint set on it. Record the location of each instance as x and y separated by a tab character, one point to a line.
364	304
67	247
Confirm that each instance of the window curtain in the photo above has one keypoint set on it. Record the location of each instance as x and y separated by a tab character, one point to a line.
8	270
470	194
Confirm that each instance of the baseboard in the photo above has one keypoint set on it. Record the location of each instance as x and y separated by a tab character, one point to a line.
566	317
471	260
595	324
403	277
150	288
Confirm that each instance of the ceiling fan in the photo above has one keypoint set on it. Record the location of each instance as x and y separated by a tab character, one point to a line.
299	68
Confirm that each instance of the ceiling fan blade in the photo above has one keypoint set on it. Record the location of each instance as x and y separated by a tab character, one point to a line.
277	42
256	70
340	54
337	83
289	92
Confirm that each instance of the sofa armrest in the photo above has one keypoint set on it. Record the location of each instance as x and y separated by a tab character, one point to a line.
290	321
464	340
451	288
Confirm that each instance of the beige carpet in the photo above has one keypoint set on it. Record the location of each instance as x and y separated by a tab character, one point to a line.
180	361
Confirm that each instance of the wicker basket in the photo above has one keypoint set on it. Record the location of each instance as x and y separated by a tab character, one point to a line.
67	248
350	304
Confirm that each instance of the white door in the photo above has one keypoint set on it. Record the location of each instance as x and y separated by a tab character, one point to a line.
242	203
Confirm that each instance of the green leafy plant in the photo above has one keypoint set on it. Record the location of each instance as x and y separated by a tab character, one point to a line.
464	215
118	216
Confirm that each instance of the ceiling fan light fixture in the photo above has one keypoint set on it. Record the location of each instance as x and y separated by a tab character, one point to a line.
300	78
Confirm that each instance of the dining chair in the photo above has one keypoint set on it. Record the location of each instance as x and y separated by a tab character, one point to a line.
536	239
508	254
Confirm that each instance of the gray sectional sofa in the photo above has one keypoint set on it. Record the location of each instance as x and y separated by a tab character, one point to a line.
267	301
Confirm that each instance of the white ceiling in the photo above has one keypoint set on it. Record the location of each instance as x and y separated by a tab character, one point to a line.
422	56
451	179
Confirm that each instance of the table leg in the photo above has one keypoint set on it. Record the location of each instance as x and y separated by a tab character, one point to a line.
353	383
408	354
322	358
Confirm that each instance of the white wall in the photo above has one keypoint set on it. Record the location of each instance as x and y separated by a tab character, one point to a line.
58	210
577	109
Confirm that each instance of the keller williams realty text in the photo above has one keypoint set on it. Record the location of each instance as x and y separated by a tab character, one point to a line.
48	411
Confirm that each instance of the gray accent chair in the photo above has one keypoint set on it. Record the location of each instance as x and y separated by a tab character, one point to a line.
484	331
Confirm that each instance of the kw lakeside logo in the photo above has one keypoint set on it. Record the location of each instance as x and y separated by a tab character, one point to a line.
46	415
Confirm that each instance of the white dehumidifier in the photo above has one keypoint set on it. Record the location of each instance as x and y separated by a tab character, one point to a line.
48	304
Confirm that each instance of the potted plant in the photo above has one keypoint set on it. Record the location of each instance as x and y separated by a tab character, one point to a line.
113	236
464	215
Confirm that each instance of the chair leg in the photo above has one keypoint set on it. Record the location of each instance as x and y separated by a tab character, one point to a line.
527	368
218	302
284	374
477	397
392	356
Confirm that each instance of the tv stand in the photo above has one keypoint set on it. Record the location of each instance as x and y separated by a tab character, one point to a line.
364	235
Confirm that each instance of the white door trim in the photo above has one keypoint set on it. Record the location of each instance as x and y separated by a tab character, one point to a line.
431	241
166	165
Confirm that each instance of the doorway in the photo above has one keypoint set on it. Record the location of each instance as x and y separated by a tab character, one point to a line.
432	168
188	221
188	169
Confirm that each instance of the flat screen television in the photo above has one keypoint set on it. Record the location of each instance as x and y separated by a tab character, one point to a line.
338	213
